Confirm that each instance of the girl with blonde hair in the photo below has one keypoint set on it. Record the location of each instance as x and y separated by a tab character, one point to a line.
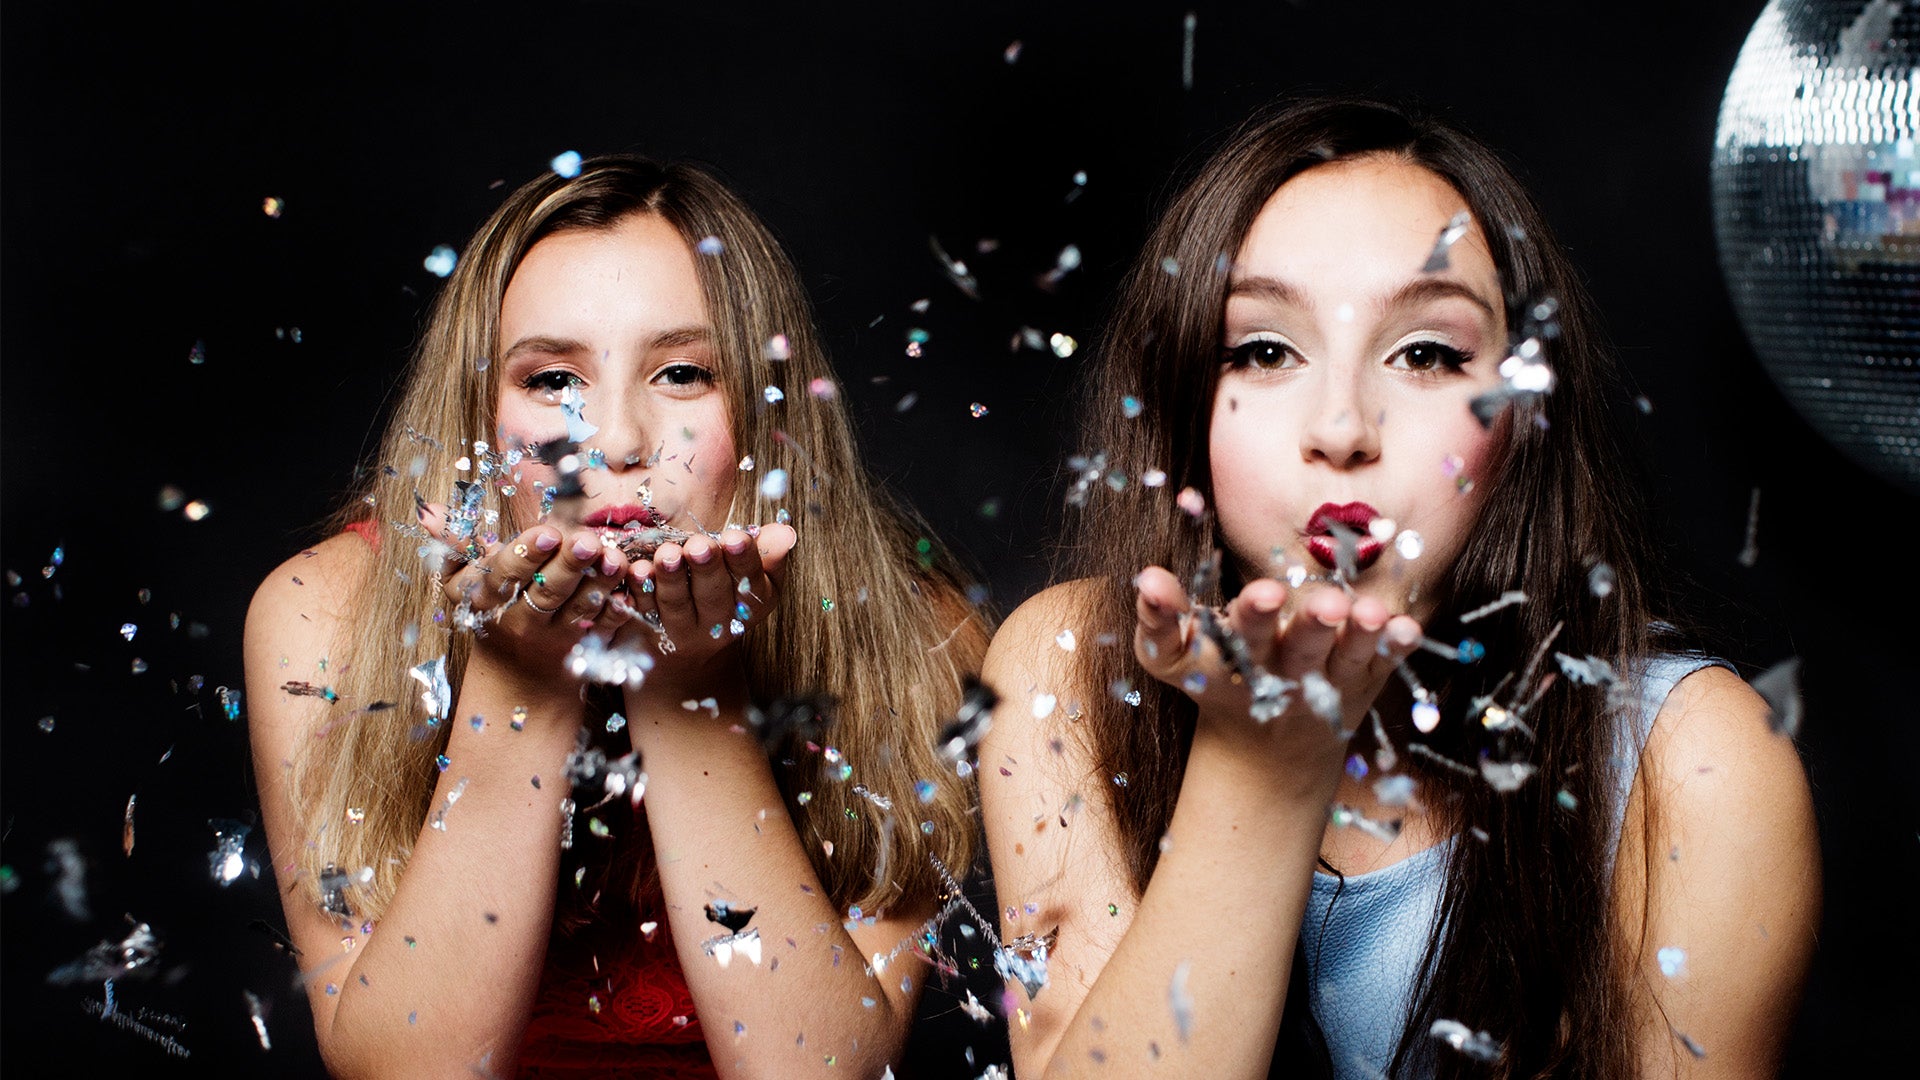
535	726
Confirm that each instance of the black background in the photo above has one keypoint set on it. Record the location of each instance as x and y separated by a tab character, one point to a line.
140	142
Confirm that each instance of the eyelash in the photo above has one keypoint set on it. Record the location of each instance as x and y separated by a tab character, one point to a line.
699	374
1246	355
554	380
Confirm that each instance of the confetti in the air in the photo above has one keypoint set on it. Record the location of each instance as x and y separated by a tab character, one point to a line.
970	722
436	694
1180	1000
1188	26
1455	229
1477	1045
1750	552
774	484
566	164
228	858
1673	962
1506	599
1780	686
440	261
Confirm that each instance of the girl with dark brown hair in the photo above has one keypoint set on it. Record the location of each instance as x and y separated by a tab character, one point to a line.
1352	406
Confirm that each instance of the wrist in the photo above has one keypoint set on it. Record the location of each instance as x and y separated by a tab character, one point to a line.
1294	780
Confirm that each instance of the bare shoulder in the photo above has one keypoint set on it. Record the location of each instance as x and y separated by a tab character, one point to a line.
295	619
1712	743
1030	641
1720	883
312	588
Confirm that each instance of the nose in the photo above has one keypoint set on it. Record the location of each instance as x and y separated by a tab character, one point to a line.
1341	429
626	437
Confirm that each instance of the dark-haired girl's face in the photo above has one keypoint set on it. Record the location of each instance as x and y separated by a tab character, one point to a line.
1341	419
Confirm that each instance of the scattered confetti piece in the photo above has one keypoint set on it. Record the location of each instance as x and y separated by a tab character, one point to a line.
1180	1000
441	261
1477	1045
566	164
1780	686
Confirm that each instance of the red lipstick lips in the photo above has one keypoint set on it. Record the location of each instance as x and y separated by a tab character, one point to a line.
1324	546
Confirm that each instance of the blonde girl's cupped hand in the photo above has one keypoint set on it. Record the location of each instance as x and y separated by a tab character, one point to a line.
692	602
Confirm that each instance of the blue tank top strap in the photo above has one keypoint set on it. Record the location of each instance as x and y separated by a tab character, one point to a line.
1637	701
1363	936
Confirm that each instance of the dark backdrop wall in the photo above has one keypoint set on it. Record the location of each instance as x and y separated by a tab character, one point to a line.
161	331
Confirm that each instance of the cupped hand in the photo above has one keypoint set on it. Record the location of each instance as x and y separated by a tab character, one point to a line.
693	601
1295	685
532	598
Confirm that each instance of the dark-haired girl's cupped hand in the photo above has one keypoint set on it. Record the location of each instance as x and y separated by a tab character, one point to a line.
1285	689
529	600
693	602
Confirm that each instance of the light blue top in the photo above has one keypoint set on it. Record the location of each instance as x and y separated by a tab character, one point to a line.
1362	958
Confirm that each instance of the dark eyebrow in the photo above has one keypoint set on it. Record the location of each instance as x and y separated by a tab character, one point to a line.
683	335
1272	289
1423	289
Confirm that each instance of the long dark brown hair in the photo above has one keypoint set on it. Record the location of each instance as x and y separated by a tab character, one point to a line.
1531	951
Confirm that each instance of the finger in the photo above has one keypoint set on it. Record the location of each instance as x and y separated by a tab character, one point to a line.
1162	627
1397	642
751	585
1308	637
711	585
1352	658
495	578
772	546
550	586
671	594
1255	616
589	601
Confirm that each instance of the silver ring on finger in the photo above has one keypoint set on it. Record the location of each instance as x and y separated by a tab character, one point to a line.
527	599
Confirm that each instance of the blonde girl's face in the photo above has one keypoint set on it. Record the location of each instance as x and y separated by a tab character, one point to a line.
1343	396
609	328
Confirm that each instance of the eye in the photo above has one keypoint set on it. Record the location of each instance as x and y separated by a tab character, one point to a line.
552	380
1264	353
683	375
1429	356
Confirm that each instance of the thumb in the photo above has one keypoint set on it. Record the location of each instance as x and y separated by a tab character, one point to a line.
1160	623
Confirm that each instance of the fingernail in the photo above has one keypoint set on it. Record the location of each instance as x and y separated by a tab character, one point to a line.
737	547
609	565
701	555
1403	634
669	562
584	547
546	541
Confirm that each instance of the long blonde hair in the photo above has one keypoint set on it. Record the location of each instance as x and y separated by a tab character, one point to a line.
865	618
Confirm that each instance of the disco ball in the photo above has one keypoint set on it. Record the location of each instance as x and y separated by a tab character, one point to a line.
1816	199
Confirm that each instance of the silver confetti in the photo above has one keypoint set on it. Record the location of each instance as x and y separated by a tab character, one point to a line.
1780	686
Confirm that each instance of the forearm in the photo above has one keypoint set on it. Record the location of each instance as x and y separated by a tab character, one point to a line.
720	830
1223	907
448	978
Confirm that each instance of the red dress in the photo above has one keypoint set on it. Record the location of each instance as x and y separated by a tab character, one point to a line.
612	1005
631	1017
